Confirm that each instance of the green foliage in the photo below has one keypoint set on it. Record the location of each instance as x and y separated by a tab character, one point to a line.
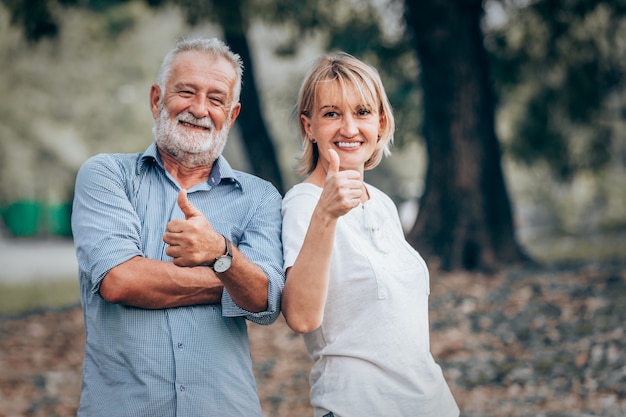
117	21
35	17
565	60
41	19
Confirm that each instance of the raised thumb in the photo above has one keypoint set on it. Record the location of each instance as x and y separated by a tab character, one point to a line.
186	207
333	168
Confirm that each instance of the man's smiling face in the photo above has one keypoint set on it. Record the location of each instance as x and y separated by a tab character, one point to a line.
194	114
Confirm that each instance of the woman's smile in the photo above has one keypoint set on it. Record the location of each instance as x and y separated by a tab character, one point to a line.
348	144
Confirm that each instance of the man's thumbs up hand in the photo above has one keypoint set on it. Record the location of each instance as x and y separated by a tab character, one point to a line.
186	207
192	241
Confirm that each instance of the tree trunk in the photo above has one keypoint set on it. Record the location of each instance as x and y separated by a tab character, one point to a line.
465	219
256	139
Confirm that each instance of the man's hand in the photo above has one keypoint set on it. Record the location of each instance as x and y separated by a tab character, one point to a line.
192	241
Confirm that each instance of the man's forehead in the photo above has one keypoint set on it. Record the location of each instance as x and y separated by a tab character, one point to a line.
190	65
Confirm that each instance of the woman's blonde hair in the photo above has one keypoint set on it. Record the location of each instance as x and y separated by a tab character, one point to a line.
349	73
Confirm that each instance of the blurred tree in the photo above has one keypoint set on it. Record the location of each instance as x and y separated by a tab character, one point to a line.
39	21
465	215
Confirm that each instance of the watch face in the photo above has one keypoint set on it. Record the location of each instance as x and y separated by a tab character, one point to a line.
222	264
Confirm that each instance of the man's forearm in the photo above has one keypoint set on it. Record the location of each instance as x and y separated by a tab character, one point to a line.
149	283
246	283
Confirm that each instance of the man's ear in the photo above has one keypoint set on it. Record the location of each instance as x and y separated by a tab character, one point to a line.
155	98
234	114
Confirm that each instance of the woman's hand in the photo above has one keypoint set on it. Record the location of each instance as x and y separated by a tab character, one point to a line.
343	190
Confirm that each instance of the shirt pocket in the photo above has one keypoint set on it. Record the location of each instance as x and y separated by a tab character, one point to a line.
404	266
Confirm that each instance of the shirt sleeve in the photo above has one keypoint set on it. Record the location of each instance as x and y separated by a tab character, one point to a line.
105	226
260	242
297	211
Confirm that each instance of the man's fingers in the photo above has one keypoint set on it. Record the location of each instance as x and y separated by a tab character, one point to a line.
186	207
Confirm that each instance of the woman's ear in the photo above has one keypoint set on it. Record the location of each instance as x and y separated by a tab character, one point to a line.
306	124
382	122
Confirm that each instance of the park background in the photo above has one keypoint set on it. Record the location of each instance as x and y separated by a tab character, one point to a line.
543	336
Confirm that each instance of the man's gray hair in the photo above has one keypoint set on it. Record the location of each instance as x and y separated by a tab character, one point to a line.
211	46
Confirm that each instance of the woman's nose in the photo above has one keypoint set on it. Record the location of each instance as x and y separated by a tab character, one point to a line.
349	127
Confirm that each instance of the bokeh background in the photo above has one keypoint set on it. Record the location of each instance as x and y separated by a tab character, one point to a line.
75	80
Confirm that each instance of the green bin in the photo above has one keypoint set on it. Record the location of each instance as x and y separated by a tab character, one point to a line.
23	217
59	217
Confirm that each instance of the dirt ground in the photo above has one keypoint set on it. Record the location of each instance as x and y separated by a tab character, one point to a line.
521	343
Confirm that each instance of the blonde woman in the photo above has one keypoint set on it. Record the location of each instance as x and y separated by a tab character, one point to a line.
355	288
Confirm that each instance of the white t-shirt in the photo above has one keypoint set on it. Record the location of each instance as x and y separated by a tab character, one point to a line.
372	352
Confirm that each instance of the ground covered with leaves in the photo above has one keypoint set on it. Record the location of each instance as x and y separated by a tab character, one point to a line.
525	342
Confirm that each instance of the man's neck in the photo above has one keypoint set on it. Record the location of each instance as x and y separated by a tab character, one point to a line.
187	176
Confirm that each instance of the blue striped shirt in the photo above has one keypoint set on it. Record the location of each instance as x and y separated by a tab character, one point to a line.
186	361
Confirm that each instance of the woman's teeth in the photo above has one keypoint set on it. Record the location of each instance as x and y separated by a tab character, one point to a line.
348	144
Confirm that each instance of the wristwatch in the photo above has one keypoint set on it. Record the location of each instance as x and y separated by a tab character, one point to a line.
223	263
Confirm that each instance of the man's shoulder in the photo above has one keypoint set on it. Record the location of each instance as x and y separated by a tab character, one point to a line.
115	157
113	160
114	166
109	158
248	179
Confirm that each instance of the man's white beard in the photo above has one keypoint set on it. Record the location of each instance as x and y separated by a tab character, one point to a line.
192	148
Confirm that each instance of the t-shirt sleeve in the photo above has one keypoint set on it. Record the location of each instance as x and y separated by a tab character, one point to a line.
297	209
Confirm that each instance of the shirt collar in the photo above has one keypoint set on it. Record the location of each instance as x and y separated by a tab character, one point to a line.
222	171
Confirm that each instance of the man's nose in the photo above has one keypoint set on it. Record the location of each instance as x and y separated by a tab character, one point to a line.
199	106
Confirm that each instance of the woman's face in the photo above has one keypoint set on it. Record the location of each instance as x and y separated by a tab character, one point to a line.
344	123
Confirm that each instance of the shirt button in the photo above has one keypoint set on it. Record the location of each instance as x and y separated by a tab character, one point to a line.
180	345
182	388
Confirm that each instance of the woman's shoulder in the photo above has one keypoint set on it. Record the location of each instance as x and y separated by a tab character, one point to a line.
301	197
303	189
377	194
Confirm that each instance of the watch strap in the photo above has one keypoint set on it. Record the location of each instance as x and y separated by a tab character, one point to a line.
229	251
223	263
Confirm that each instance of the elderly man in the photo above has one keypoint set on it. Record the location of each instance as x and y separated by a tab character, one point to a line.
176	250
